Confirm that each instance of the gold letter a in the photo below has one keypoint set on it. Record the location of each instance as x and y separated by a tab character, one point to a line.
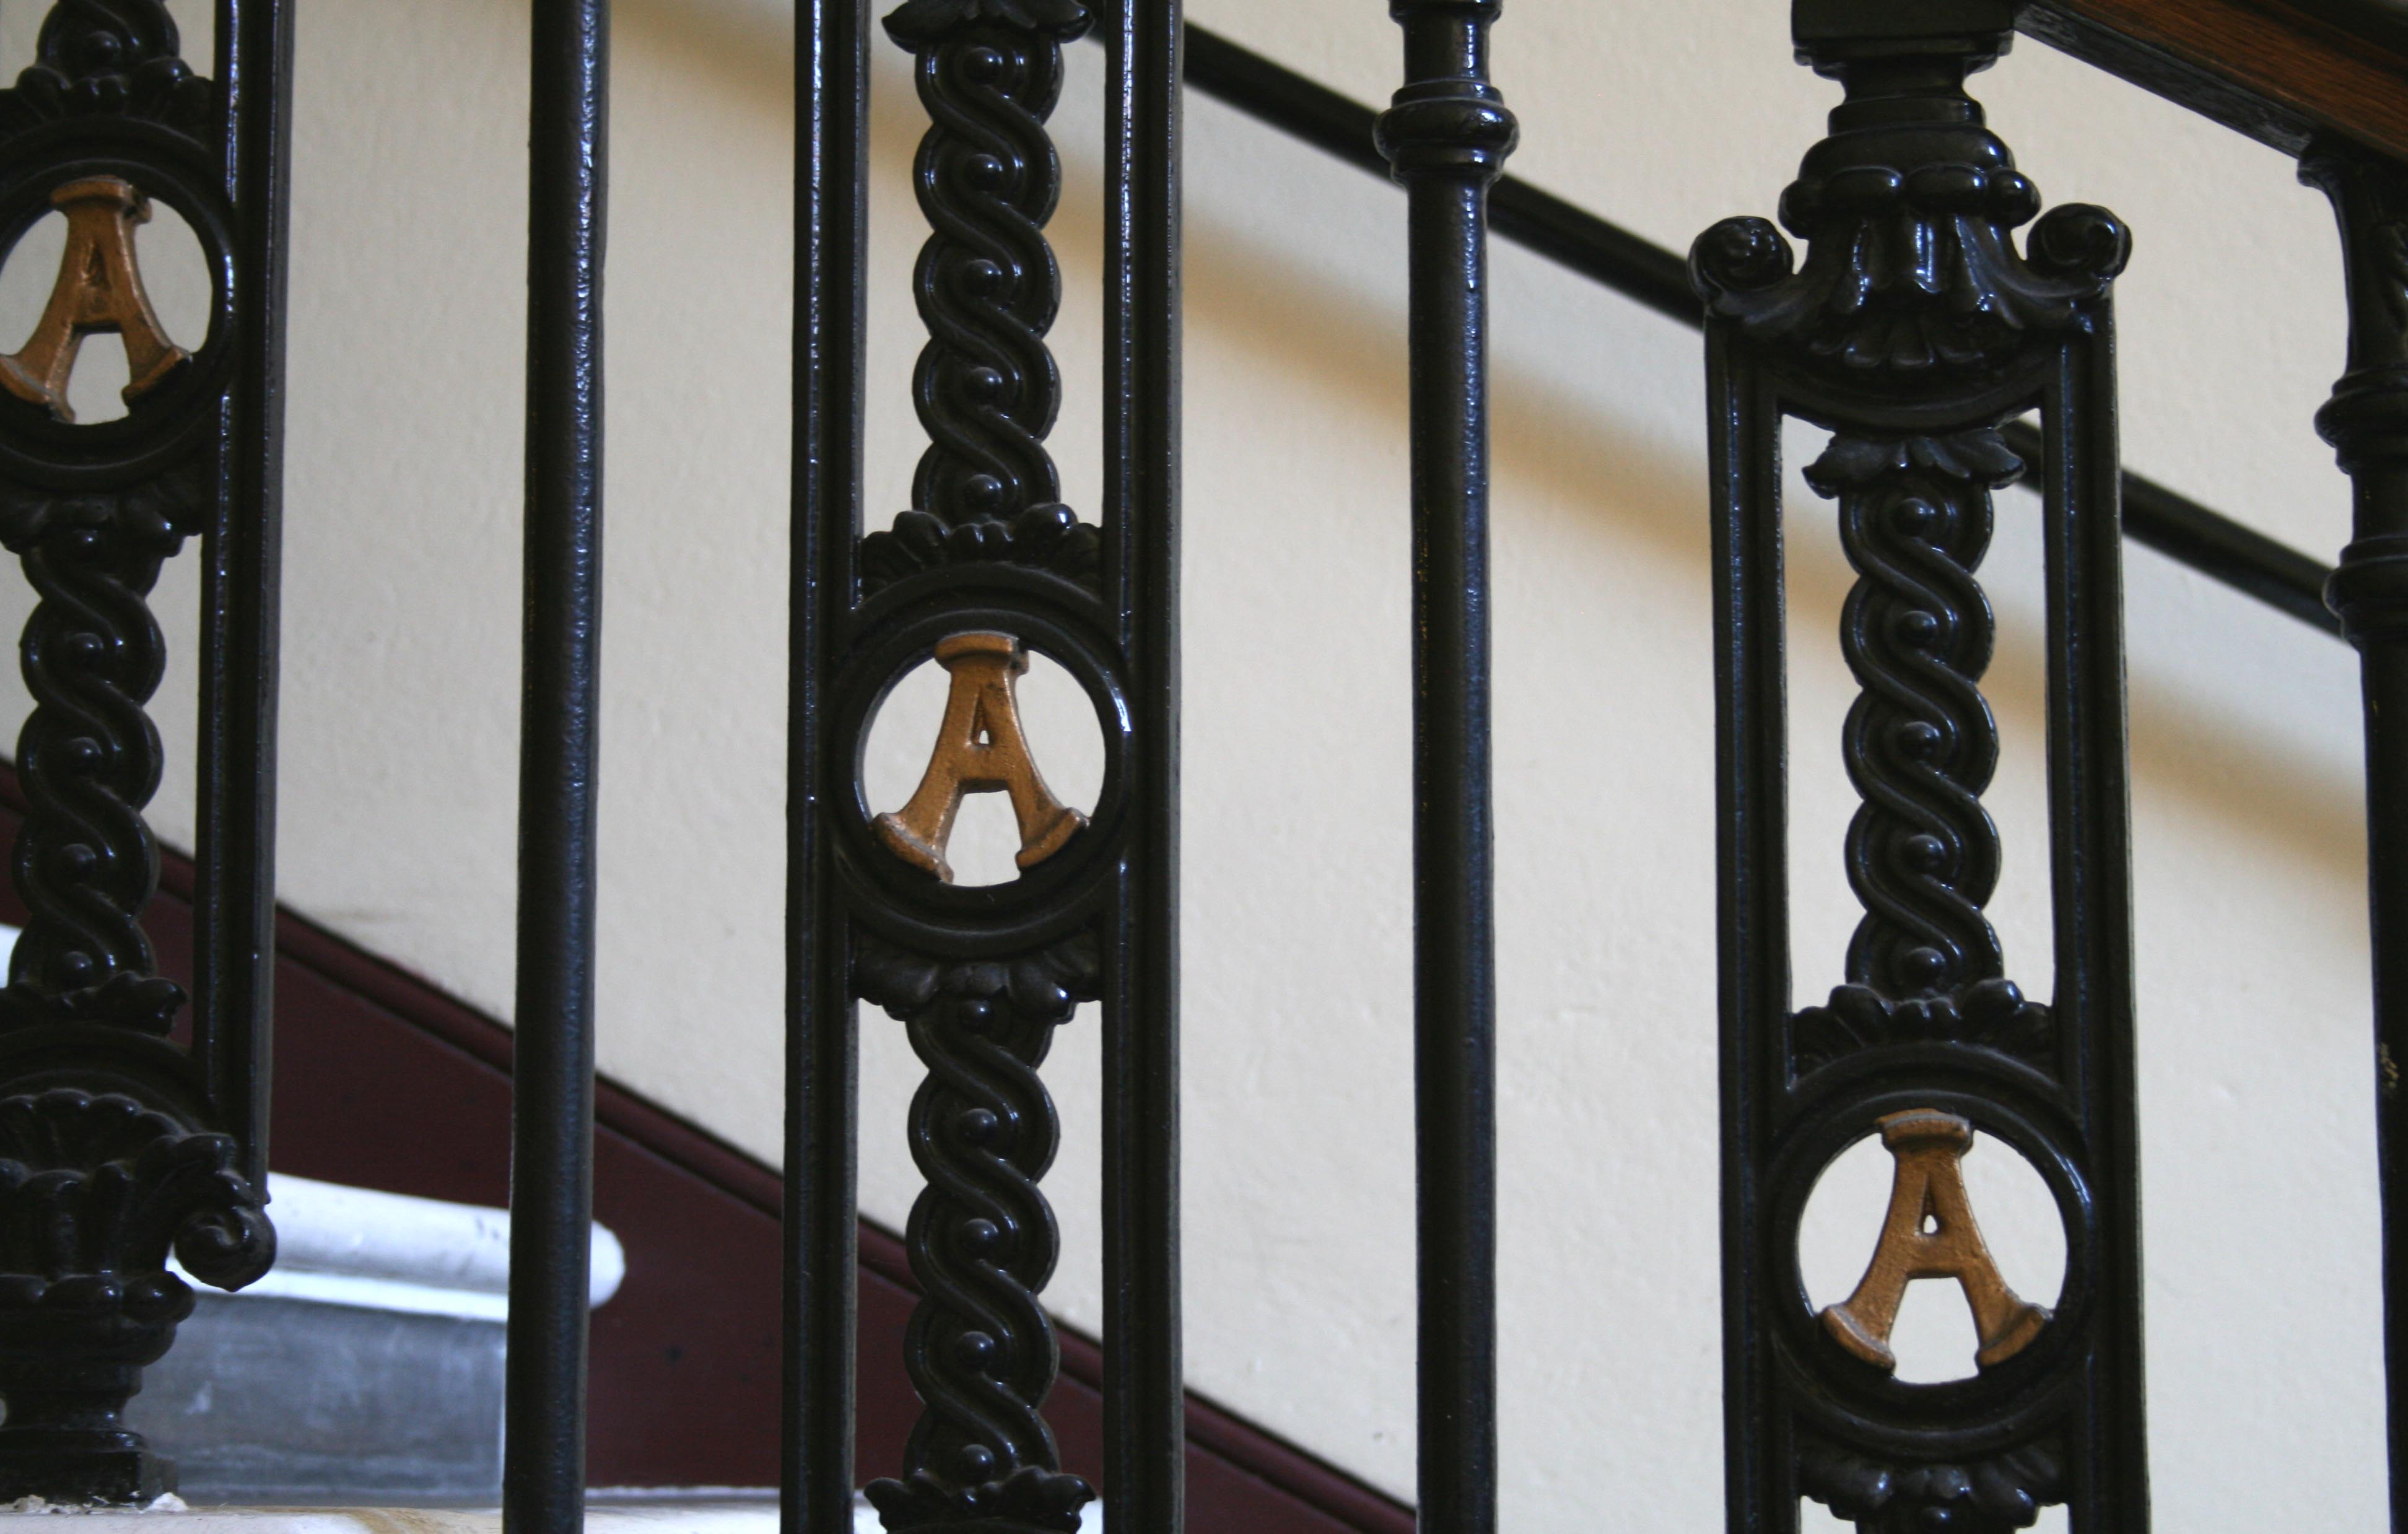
1929	1233
980	749
99	290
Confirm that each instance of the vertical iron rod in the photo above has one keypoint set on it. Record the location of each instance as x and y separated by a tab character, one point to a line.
1144	1396
832	96
2367	423
1447	135
233	915
552	1151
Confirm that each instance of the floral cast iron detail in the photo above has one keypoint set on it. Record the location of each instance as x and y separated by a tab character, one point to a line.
109	57
1045	538
1908	221
982	1238
96	1190
1991	1013
1996	1494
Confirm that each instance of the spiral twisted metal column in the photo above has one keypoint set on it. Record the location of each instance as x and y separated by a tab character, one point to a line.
982	1238
1920	744
89	759
987	285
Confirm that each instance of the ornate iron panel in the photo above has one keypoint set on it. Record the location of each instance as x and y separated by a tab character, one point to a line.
132	1117
1915	331
985	567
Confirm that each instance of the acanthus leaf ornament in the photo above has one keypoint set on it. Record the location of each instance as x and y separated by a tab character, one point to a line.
1048	538
1995	1494
96	1190
109	58
1991	1013
916	23
1911	261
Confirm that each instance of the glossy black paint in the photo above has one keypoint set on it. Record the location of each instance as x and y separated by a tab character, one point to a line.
1644	272
1914	331
552	1103
980	978
2367	423
1146	1455
831	238
1447	135
117	1141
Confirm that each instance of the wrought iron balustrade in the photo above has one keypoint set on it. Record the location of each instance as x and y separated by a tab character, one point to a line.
1934	311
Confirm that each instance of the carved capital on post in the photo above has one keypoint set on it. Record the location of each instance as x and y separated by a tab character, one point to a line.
1908	208
2366	421
1448	121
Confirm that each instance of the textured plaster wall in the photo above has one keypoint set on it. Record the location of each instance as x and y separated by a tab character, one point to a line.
401	675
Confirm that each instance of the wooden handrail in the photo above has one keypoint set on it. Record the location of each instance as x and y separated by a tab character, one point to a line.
2280	71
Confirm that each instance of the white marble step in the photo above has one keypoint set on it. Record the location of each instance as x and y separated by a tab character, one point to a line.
640	1513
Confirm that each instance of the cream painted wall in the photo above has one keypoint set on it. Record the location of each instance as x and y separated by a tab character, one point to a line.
400	701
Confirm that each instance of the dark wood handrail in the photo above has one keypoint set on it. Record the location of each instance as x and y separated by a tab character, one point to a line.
2281	71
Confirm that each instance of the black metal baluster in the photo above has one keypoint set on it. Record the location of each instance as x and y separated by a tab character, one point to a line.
234	907
552	1148
1447	135
1144	1398
986	569
1916	333
2367	423
831	211
117	1144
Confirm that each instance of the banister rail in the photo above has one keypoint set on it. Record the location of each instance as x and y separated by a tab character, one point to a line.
2277	70
2155	516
